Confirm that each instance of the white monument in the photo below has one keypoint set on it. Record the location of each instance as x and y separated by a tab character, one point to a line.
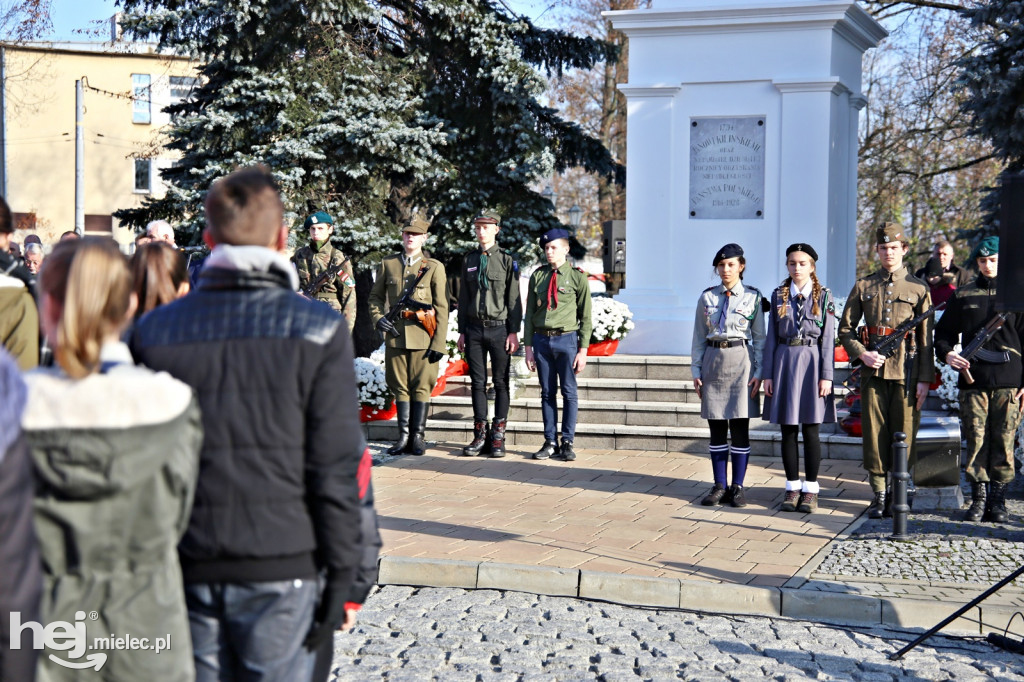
742	127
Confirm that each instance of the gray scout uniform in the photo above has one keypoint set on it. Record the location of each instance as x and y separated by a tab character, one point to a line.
728	339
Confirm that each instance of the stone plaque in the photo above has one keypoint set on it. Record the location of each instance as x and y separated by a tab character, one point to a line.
727	168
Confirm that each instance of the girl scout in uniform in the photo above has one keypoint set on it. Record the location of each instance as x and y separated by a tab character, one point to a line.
728	337
797	366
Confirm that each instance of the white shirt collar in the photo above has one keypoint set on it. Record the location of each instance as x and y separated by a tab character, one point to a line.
806	291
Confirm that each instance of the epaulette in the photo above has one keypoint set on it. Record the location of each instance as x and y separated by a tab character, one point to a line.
708	289
582	270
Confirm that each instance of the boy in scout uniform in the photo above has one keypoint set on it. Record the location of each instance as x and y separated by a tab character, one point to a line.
887	299
314	258
411	357
556	337
490	314
990	405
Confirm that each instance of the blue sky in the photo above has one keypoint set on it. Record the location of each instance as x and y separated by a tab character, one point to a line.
71	15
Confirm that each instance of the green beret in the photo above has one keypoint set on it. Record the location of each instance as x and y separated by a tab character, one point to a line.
318	218
989	246
889	232
488	216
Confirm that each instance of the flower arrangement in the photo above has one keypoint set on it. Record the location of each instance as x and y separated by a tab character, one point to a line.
948	390
611	319
373	390
451	338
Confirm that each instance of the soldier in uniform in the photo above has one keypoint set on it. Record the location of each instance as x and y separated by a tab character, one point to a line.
990	407
726	351
411	357
490	315
556	335
886	299
313	259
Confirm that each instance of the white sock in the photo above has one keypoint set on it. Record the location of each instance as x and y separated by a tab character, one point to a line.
811	487
792	485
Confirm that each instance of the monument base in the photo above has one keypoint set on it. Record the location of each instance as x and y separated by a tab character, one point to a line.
946	498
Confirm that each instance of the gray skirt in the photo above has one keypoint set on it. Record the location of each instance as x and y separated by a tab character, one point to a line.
725	373
795	387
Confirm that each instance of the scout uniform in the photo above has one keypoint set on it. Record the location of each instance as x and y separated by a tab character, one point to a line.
410	359
557	325
887	300
313	259
728	340
989	411
489	310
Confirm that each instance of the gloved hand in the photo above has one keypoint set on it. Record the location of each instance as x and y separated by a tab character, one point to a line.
434	356
385	326
330	613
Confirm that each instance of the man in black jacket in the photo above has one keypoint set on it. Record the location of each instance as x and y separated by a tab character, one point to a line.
277	498
990	407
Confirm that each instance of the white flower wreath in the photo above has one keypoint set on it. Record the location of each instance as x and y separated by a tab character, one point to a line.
611	319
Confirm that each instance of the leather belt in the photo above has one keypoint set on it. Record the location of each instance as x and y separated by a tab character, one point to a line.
553	332
880	331
726	344
487	323
798	341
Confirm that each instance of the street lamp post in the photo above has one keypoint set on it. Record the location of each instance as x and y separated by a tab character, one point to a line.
575	213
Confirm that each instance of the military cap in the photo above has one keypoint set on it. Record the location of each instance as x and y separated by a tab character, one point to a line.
318	218
727	251
488	216
989	246
553	234
804	248
889	232
416	225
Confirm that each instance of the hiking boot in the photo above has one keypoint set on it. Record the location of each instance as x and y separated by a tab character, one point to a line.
497	438
877	507
791	501
480	440
808	503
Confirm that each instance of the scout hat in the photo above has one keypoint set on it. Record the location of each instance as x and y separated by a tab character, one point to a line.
488	216
989	246
317	218
803	248
889	232
416	225
553	234
727	251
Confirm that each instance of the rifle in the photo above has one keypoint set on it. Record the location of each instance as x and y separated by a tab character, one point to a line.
404	301
325	278
974	348
887	346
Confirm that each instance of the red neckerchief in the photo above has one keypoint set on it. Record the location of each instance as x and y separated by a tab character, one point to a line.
553	289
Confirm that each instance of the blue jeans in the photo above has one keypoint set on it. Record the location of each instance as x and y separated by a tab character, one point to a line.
244	632
554	356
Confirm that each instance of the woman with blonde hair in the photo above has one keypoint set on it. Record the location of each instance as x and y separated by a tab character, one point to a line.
115	449
159	275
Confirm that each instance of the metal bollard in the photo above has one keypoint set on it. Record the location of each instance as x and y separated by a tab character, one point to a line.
900	481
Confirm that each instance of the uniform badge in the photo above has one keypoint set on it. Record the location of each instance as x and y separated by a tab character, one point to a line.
515	267
885	238
349	282
314	220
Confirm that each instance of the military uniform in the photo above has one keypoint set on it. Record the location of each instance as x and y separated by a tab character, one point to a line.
410	371
989	410
557	326
340	293
885	301
489	310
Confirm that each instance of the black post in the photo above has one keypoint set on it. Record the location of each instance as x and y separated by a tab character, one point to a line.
900	481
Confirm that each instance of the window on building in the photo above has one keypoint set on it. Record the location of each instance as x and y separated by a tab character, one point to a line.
143	175
141	104
24	221
182	87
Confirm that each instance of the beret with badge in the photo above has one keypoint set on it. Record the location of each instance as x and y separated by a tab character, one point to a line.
989	246
318	218
727	251
553	234
803	248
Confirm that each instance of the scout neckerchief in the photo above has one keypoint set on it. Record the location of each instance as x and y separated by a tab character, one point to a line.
553	289
725	313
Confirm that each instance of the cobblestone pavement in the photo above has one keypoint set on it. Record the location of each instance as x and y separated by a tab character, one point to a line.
419	634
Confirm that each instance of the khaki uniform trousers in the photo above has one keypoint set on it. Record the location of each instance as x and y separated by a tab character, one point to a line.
885	410
989	419
408	373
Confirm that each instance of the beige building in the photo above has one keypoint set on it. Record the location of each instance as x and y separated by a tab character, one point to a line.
125	86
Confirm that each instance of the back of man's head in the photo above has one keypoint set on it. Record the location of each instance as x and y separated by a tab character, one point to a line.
245	209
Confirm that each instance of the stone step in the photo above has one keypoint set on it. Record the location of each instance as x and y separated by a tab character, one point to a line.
525	437
657	367
460	407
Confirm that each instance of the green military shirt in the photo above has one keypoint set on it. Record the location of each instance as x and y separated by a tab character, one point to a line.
340	293
500	300
392	278
572	311
886	300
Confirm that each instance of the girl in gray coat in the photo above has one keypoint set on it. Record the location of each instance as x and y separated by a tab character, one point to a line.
115	449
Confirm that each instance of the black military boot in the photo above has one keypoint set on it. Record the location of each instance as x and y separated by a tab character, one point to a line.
979	498
403	428
497	438
996	512
417	427
887	509
877	507
481	440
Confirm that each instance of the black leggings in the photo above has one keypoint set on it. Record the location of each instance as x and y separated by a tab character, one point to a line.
791	453
720	429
